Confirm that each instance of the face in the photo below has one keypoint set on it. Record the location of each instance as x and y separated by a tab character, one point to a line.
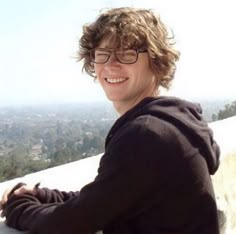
126	84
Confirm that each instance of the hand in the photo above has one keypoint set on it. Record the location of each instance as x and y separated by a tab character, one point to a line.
22	188
4	199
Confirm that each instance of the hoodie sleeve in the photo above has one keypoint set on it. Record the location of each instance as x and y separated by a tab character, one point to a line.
45	195
18	205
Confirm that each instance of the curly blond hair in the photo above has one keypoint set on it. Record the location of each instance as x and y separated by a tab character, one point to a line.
132	28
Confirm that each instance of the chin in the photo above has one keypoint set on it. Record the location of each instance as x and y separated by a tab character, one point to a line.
112	98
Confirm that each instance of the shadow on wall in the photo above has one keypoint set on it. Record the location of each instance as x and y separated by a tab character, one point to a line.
225	190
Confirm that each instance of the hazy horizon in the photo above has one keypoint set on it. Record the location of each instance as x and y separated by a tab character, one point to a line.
105	102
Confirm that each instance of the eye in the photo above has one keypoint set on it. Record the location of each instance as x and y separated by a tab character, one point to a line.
98	54
126	53
130	52
101	53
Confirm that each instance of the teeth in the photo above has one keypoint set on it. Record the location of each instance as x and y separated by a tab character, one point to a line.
115	80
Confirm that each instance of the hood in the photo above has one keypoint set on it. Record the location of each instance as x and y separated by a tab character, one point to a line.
187	117
184	115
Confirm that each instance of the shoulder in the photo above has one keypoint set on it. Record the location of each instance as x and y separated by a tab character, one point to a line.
145	128
154	129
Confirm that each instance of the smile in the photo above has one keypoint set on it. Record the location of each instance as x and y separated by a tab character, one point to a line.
115	80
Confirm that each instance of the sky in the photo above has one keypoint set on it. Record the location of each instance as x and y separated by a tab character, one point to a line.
39	41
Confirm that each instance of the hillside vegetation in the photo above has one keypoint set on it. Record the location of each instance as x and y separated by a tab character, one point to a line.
229	110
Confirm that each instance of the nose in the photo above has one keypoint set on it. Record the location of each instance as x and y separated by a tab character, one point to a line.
112	59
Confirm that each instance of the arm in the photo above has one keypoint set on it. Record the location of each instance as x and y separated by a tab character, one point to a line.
44	195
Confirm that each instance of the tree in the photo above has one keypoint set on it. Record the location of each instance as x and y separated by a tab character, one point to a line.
228	111
61	157
18	163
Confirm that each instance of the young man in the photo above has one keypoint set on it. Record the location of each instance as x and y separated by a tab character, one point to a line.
154	176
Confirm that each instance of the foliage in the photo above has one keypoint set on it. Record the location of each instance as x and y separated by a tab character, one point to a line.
228	111
17	164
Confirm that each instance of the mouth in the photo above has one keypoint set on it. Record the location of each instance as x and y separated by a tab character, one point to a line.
115	80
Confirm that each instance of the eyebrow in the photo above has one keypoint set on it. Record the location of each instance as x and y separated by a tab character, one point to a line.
106	47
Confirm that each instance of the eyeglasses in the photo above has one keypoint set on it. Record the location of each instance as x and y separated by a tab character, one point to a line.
102	55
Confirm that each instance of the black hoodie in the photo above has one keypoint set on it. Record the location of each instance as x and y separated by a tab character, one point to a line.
154	178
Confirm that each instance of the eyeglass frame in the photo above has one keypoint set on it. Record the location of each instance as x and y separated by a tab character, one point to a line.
113	51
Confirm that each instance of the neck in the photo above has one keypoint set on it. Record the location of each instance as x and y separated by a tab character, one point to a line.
123	107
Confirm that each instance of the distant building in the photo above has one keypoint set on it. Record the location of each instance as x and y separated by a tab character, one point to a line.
36	151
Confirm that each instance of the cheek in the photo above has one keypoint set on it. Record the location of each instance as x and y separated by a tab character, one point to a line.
97	70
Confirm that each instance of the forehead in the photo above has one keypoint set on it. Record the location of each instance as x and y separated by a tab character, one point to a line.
110	42
115	40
